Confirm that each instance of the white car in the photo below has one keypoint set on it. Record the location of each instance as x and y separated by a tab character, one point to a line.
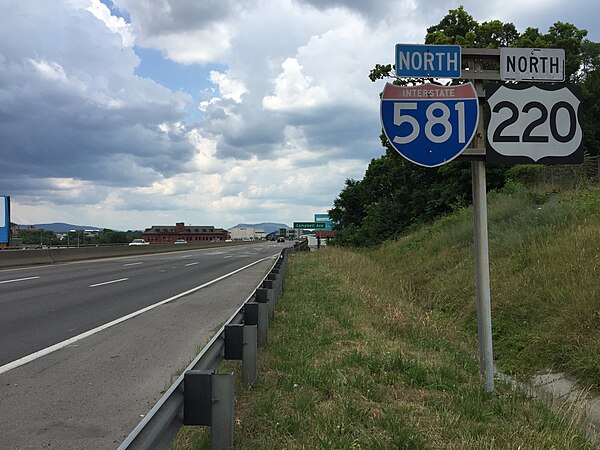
180	241
139	242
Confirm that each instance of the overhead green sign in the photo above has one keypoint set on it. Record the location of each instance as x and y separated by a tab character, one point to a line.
310	225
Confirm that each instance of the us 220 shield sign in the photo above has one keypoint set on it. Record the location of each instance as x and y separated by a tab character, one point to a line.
429	125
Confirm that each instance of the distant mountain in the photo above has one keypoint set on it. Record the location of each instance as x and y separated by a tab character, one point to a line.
60	227
268	227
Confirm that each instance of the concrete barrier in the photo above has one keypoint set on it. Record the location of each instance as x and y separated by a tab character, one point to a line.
17	258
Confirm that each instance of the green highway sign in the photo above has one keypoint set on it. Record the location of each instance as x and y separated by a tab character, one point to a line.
310	225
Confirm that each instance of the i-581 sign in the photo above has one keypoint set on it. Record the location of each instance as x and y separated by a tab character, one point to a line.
533	123
429	124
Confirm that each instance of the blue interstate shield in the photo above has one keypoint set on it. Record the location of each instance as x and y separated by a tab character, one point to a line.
429	125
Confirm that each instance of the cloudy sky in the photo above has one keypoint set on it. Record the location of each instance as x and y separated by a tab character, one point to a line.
131	113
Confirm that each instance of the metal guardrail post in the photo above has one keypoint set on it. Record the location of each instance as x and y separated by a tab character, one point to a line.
240	344
268	285
262	299
209	400
222	413
249	357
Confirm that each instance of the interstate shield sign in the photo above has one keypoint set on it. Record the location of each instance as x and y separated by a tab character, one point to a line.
429	125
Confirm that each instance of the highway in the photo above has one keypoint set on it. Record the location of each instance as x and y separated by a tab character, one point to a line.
87	347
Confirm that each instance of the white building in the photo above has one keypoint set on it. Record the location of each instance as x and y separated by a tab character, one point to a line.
239	233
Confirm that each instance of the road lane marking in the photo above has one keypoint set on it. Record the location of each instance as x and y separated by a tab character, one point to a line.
192	264
46	351
109	282
19	279
133	264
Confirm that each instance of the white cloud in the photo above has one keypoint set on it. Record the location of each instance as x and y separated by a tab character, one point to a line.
294	90
228	87
195	46
115	24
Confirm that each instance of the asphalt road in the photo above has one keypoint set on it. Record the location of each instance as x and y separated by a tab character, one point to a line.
91	392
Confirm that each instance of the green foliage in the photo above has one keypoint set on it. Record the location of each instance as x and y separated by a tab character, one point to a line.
526	173
457	28
36	236
104	237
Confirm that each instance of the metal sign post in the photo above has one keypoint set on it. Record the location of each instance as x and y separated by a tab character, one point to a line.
482	275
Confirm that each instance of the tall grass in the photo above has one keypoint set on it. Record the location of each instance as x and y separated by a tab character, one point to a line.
545	263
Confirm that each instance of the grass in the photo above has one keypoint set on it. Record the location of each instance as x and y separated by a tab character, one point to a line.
377	349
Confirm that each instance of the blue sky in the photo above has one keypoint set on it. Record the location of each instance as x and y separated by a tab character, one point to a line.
132	113
192	79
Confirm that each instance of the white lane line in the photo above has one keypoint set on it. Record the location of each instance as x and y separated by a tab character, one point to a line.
133	264
46	351
109	282
192	264
19	279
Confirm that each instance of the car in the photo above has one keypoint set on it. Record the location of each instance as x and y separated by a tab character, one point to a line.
280	239
180	241
215	240
139	242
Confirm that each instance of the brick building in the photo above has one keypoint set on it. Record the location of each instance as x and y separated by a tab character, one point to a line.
166	234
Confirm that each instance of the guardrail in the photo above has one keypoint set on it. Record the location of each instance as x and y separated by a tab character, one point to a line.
200	396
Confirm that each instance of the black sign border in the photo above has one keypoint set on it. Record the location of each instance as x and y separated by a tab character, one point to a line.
493	157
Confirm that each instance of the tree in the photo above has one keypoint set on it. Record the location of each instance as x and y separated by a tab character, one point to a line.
589	78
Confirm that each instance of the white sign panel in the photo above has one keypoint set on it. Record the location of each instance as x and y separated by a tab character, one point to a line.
533	123
532	64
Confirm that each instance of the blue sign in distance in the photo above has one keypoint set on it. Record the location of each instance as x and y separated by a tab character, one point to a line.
429	125
437	61
4	219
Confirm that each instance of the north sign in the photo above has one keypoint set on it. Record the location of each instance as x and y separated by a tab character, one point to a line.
429	125
437	61
532	64
533	123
